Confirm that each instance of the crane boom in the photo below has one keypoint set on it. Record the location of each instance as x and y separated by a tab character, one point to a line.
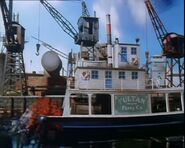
60	19
7	21
5	14
85	11
159	28
51	48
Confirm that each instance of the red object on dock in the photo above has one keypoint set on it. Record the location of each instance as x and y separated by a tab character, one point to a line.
43	106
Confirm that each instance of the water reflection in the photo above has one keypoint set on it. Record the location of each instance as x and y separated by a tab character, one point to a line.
134	143
172	142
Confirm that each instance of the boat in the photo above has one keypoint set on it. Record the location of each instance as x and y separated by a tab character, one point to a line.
109	94
118	99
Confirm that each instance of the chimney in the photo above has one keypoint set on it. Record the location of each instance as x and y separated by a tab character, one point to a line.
109	34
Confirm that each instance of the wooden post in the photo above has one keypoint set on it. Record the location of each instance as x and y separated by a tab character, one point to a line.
12	107
24	104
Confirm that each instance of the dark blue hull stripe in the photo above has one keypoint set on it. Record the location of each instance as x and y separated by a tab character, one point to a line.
123	126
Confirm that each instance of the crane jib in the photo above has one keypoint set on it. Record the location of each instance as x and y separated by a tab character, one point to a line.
65	25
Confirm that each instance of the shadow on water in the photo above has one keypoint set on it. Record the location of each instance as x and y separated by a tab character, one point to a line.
133	143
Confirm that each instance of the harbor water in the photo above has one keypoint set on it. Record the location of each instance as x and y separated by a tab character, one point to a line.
172	142
150	142
147	142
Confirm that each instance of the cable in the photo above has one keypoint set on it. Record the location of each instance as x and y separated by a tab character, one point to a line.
39	24
146	29
38	44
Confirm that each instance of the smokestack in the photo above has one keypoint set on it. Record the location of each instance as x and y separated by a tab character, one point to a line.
109	34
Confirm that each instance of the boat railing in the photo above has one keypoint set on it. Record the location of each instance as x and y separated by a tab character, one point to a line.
161	101
154	84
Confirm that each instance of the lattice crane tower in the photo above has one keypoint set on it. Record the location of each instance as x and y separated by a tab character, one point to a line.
14	77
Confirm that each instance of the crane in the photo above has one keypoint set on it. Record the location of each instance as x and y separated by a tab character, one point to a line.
88	33
14	70
172	45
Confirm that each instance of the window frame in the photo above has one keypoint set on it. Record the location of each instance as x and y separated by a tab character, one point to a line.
108	74
134	75
123	54
133	51
121	75
95	74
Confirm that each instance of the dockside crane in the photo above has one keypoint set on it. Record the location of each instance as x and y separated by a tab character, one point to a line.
172	45
88	28
14	76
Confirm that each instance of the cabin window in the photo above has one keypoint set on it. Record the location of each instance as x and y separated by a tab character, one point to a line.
158	102
108	74
175	102
121	75
108	79
101	104
123	54
94	74
79	104
133	51
134	75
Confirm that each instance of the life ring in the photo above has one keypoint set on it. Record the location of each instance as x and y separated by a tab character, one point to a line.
135	61
85	75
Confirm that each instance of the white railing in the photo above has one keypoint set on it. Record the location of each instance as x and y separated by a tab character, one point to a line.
114	83
155	84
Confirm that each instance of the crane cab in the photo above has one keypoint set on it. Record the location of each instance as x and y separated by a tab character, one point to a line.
88	31
16	37
173	45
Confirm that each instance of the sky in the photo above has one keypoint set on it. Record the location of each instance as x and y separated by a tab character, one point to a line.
129	20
